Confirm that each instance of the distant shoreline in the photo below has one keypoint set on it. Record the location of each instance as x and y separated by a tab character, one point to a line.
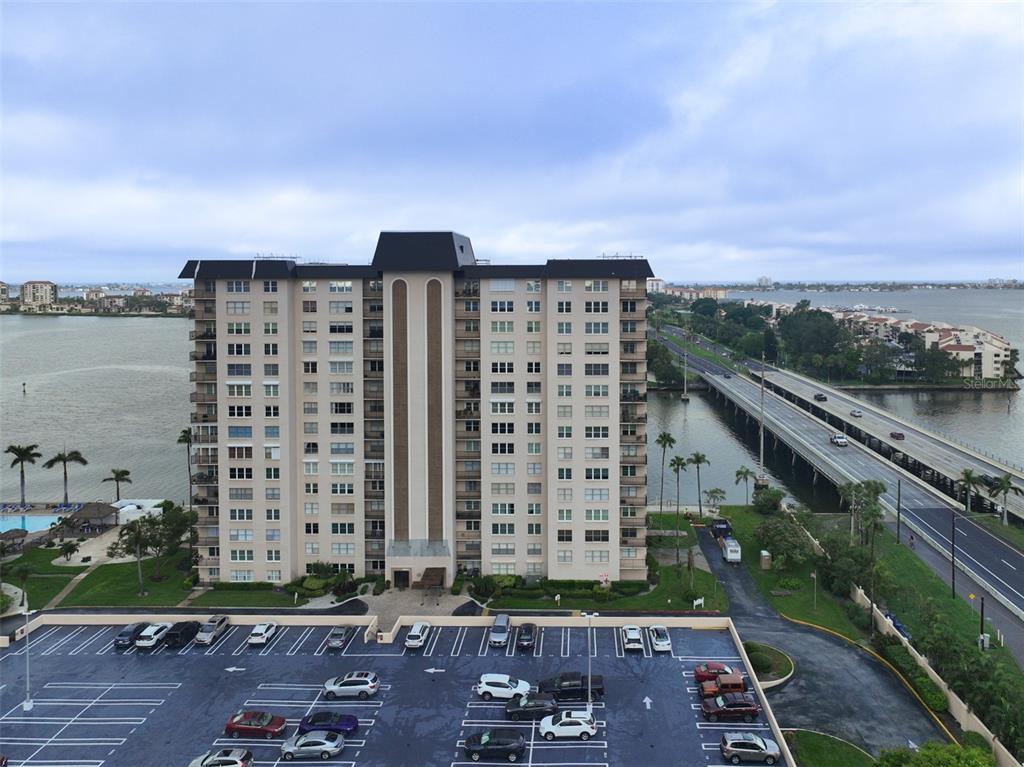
93	314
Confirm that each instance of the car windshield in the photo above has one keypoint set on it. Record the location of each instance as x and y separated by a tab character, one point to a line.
337	632
513	682
209	626
253	720
485	738
759	742
720	701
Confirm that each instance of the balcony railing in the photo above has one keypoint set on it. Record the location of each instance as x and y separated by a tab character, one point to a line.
204	335
627	563
642	480
204	479
200	313
202	356
633	396
203	396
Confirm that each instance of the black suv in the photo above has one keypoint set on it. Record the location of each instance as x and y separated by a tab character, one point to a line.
527	636
819	397
181	633
495	744
531	707
126	637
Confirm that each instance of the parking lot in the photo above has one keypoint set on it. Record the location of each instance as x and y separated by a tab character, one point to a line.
99	707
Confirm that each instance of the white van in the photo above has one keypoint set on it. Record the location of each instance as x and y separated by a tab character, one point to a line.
731	551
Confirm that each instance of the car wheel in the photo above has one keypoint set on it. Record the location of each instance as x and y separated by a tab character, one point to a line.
748	718
236	734
517	696
486	696
770	760
475	757
515	717
325	755
513	757
269	735
549	736
713	717
584	736
289	756
330	695
735	760
363	695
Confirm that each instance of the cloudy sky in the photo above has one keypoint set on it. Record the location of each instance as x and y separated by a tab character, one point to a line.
723	141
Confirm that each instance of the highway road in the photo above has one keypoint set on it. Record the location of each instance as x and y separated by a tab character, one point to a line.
995	565
928	448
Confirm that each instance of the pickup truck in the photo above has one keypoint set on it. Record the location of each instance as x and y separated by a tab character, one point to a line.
572	686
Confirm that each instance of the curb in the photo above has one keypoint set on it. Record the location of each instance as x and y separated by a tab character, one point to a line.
774	683
885	663
826	735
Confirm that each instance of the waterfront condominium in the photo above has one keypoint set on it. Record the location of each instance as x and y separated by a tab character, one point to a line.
420	415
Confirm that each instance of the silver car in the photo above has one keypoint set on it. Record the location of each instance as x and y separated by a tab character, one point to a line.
339	637
213	628
740	747
355	684
225	757
318	743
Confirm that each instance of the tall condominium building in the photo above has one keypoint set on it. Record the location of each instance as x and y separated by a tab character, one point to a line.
37	294
420	415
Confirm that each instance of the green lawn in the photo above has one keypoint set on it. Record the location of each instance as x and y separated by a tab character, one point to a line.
43	588
228	598
667	521
829	612
669	594
39	559
117	585
812	749
781	663
699	351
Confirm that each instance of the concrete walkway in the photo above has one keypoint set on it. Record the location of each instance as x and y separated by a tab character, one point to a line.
837	689
71	586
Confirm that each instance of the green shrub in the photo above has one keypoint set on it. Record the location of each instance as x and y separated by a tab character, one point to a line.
242	586
379	585
652	564
930	693
972	739
526	593
81	540
760	661
49	544
484	587
789	583
859	616
629	588
457	584
312	583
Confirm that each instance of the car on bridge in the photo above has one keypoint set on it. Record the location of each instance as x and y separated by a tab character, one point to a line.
897	435
839	440
819	397
855	413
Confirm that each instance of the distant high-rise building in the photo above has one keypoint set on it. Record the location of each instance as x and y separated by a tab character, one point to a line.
655	285
423	414
5	294
764	282
38	295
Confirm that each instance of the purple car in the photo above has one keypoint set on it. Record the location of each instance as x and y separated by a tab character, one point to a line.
331	721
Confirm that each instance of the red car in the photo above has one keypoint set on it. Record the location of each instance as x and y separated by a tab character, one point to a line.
896	435
255	724
705	672
732	705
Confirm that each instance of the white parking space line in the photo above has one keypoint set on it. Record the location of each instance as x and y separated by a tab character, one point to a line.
566	639
270	686
538	648
510	648
278	636
117	685
434	639
298	642
90	721
224	638
593	643
1008	564
646	640
242	647
483	645
619	652
299	761
63	641
460	637
185	650
285	703
89	641
322	647
33	640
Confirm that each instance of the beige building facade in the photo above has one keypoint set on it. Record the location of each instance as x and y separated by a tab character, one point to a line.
422	415
38	295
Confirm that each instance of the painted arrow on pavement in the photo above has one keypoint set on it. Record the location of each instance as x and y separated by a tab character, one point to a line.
234	668
647	702
435	670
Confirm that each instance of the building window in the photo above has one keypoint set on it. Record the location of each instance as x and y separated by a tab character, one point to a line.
533	528
564	535
595	556
533	286
236	307
501	285
269	286
503	528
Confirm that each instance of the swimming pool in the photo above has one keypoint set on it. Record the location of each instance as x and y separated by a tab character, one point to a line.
31	522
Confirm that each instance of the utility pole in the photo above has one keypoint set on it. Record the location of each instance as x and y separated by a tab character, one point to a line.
952	551
760	454
899	484
27	704
590	654
686	369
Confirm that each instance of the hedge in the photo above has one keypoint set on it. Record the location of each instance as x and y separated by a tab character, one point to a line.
930	693
242	586
458	583
379	585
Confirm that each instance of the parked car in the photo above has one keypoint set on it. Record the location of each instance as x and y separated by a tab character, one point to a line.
418	634
738	747
897	435
261	633
839	440
703	672
720	528
223	757
659	638
632	638
152	635
819	397
855	413
181	633
255	724
212	630
126	637
573	686
732	705
495	744
531	706
568	724
332	721
355	684
722	684
732	552
500	630
500	686
527	636
316	744
339	637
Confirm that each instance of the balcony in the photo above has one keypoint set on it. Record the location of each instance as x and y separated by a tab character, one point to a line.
203	293
633	500
203	396
204	418
203	335
633	439
204	439
633	396
641	480
631	417
374	535
202	313
202	356
638	293
467	413
467	375
205	500
633	460
374	454
627	563
635	542
635	335
467	453
467	535
204	458
462	474
205	479
373	375
640	522
370	331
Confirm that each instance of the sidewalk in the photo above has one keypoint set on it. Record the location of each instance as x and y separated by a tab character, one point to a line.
71	586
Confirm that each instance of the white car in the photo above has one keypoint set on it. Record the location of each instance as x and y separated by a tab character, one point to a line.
417	636
857	413
153	635
225	757
632	638
568	724
500	686
262	632
839	440
660	640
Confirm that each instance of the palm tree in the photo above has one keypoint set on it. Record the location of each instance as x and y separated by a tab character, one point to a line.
117	477
969	481
63	527
185	438
1004	486
21	572
677	464
744	475
64	459
23	454
68	549
698	459
134	538
664	441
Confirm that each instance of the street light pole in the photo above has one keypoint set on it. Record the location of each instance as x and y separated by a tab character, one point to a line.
760	428
590	655
27	705
899	508
952	551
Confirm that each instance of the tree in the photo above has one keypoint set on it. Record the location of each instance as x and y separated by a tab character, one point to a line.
677	464
1004	486
744	475
23	454
698	459
771	346
935	754
64	458
117	477
64	526
704	307
68	549
858	496
767	500
20	573
137	538
665	440
788	543
169	530
714	496
969	482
